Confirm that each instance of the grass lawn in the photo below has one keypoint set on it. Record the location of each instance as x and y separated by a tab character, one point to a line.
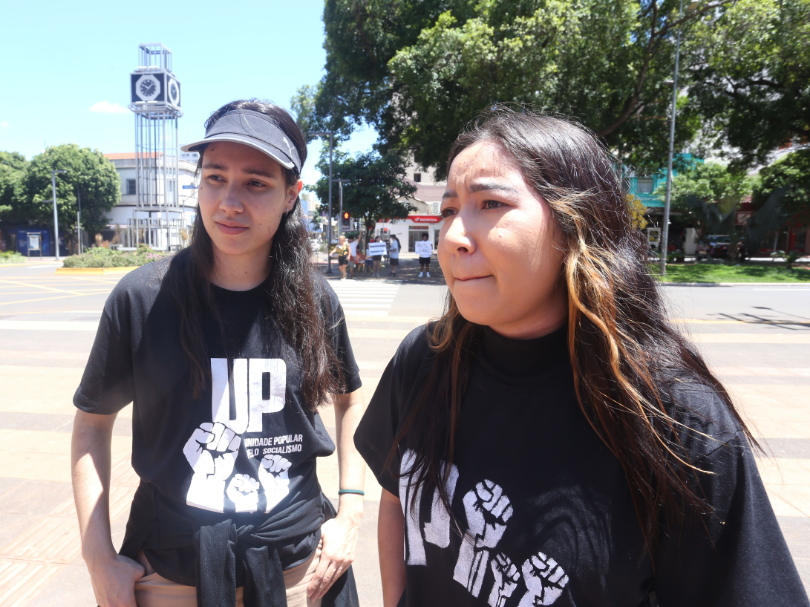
710	272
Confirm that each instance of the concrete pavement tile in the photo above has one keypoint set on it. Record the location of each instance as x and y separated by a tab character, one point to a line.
797	496
70	587
37	498
770	429
797	535
20	580
52	540
13	525
779	471
8	484
52	443
59	363
794	448
46	422
782	507
785	392
35	466
778	413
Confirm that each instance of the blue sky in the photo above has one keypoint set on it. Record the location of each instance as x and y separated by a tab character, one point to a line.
62	58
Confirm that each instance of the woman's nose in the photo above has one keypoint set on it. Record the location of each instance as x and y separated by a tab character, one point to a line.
458	236
230	200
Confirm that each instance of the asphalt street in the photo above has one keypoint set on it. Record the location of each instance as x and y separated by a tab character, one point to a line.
756	337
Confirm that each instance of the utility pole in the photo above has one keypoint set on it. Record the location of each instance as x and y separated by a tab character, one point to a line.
79	219
340	183
329	230
665	232
55	218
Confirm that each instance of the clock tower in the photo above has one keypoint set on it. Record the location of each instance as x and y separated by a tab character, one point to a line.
155	96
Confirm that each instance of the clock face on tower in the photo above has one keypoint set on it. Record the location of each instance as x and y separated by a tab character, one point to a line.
147	87
173	92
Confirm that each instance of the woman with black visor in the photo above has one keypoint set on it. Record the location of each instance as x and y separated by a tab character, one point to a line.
226	351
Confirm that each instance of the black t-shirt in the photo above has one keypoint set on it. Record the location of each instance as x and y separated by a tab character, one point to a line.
545	508
243	449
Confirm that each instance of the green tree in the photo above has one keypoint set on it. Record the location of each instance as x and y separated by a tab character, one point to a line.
708	196
12	168
377	186
418	71
791	173
87	170
749	76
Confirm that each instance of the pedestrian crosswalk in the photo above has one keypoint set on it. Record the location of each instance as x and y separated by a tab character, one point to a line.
369	298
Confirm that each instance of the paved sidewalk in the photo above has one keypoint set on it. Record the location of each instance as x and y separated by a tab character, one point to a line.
758	340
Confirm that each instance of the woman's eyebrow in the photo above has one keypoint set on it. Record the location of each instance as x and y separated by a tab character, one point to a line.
480	186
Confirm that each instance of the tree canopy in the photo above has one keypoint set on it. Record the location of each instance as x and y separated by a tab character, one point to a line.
749	75
88	172
377	183
419	71
12	168
708	195
790	174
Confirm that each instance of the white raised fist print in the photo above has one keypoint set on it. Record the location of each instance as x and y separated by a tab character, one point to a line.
273	477
487	510
243	491
544	579
506	580
211	452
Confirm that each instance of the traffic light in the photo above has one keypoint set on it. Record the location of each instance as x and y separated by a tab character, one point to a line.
345	219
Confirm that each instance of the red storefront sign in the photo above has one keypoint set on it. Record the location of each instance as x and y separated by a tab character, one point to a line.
425	218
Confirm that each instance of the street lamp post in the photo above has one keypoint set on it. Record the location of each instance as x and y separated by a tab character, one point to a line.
340	183
665	232
329	229
79	219
55	218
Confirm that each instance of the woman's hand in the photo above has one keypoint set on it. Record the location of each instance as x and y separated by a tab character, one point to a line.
114	581
339	542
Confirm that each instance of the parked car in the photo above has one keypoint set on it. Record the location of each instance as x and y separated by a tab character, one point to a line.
718	245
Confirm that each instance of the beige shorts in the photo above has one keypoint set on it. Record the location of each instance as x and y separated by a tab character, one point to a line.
153	590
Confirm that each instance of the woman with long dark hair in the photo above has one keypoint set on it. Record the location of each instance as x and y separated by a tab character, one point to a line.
552	438
226	351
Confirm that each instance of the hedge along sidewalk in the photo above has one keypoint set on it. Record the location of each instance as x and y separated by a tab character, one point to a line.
707	273
117	262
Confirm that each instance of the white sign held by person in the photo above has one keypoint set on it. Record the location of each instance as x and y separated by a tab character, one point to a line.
377	248
424	248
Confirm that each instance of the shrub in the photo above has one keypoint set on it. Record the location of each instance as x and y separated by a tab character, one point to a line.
102	257
11	257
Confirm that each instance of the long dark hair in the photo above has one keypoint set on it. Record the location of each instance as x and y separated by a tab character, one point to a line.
626	356
292	285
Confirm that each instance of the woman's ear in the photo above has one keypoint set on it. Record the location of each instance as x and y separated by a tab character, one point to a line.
292	194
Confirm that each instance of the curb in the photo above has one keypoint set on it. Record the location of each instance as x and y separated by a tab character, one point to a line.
95	271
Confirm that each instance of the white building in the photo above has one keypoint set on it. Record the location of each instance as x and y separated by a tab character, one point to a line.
426	219
120	216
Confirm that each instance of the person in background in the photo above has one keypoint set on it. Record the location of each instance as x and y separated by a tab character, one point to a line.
553	439
393	254
377	259
352	255
342	251
424	256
